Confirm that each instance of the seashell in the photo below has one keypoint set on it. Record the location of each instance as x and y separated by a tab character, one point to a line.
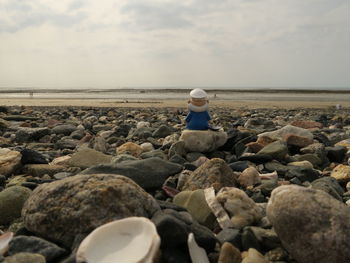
132	239
4	242
198	254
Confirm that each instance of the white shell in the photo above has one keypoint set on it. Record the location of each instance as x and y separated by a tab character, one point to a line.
4	242
198	254
132	239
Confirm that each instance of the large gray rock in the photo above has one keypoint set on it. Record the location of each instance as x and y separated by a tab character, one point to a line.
88	157
65	129
277	150
76	205
31	134
313	226
11	203
148	173
213	173
281	134
203	141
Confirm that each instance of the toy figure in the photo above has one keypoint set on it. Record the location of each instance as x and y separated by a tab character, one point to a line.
198	117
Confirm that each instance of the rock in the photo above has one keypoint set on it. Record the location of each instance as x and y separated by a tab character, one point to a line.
242	210
39	170
296	140
10	161
196	204
171	139
172	231
312	225
177	148
253	256
25	258
277	254
3	124
259	124
142	124
93	201
162	131
341	173
143	172
229	254
330	186
288	129
193	156
37	245
267	238
239	166
32	157
122	130
122	158
143	133
156	153
254	146
204	237
78	134
65	129
312	158
31	134
249	177
303	164
66	143
20	118
277	150
336	153
213	173
303	174
203	141
276	166
230	235
307	124
177	159
11	203
88	157
147	147
344	143
130	148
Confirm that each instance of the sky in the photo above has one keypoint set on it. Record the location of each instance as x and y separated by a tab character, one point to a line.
174	43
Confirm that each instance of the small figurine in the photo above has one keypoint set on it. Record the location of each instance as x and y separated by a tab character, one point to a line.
198	117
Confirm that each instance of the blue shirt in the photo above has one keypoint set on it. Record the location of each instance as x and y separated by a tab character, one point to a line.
197	120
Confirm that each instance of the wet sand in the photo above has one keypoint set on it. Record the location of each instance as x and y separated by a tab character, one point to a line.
159	103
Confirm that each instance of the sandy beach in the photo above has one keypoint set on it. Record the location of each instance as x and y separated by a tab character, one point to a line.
160	103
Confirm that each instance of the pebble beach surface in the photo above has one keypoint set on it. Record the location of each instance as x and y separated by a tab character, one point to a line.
278	189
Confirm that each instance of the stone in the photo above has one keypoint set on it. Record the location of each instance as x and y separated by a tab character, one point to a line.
329	185
122	130
302	174
143	172
94	200
156	153
303	164
25	258
242	210
344	143
177	148
229	254
130	148
288	129
277	254
87	157
259	124
312	225
341	173
66	143
310	157
267	238
196	204
296	140
213	173
203	141
177	159
277	150
162	131
254	147
230	235
264	140
193	156
30	156
31	134
254	256
32	244
147	147
39	170
122	158
239	166
10	161
143	133
307	124
11	203
3	124
336	153
249	177
204	236
65	129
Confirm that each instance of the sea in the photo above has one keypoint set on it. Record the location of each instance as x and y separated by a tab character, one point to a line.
336	95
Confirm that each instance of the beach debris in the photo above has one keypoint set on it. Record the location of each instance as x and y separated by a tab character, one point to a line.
132	239
198	254
4	242
217	209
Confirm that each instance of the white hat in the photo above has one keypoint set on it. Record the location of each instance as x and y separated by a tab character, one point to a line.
198	94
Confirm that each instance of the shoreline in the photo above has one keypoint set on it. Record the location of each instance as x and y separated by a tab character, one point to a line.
166	103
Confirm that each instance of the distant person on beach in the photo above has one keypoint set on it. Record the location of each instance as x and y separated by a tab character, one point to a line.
198	117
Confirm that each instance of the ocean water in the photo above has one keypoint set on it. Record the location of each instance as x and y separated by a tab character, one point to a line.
181	94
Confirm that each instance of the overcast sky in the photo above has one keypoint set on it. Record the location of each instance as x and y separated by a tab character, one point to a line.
175	43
